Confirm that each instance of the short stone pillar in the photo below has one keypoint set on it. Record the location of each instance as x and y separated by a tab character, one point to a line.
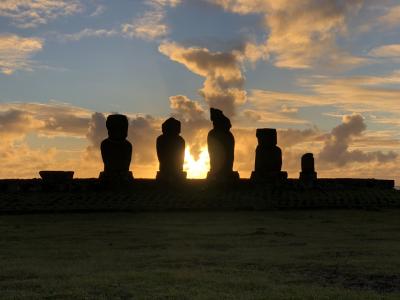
308	173
221	148
268	162
116	152
171	152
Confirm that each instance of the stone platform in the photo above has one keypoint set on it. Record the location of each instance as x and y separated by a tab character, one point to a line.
84	195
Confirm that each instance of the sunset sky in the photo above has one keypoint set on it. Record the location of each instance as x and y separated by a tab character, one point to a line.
325	73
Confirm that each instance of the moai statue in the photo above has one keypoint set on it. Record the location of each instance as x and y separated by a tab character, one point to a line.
268	163
308	173
221	147
171	152
116	152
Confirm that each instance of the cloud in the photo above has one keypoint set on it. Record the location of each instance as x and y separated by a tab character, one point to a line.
386	51
32	13
97	130
151	25
261	117
195	122
42	122
356	93
244	6
15	123
16	52
302	34
336	148
223	85
391	18
344	144
88	32
47	119
99	10
185	109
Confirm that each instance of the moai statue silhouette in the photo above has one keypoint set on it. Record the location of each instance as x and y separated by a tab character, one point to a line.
268	162
221	147
308	173
171	152
116	152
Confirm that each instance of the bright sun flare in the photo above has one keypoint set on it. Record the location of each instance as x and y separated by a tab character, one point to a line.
196	168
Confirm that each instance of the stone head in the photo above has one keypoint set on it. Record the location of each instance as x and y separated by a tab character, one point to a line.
117	126
307	161
267	136
308	157
171	127
220	121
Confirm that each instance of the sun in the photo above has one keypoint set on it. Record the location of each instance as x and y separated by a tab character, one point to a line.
197	168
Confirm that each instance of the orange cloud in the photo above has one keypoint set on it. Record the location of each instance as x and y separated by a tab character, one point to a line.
223	85
21	159
302	34
386	51
32	13
16	51
391	18
151	25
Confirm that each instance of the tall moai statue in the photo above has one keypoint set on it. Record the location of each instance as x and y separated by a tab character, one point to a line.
116	152
171	152
268	162
308	173
221	148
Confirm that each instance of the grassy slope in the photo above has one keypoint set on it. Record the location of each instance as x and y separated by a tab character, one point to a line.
242	255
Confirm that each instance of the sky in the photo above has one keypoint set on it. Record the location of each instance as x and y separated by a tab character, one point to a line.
325	73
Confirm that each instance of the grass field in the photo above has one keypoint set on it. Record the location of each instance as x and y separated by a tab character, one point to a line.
348	254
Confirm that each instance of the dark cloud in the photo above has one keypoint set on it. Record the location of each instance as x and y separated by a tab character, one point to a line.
17	122
336	148
143	132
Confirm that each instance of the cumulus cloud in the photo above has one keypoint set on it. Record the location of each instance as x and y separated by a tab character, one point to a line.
41	121
14	123
16	52
32	13
152	24
195	122
336	148
47	119
302	34
224	80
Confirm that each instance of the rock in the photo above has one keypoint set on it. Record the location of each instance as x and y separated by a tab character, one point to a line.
116	152
308	173
268	162
221	147
171	152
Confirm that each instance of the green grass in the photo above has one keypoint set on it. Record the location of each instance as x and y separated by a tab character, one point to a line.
348	254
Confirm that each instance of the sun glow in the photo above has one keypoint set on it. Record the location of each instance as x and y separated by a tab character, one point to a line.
196	168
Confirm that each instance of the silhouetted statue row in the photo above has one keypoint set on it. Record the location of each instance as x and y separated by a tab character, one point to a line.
116	152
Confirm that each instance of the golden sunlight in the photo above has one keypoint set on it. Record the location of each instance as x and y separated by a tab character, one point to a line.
196	168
